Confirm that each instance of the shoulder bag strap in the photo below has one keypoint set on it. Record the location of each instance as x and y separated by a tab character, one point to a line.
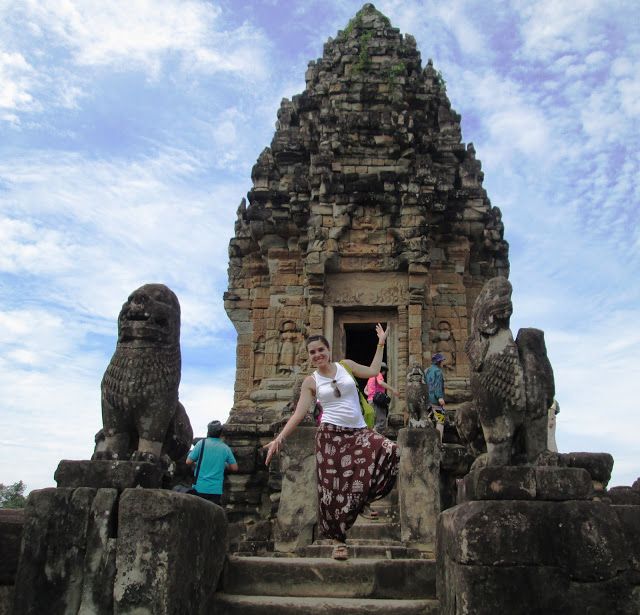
195	477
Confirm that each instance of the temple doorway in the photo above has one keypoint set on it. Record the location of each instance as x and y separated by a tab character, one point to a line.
360	344
354	337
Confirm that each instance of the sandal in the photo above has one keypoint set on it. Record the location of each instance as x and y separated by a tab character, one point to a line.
340	552
367	513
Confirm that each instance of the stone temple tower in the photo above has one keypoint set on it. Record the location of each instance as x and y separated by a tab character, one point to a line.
366	207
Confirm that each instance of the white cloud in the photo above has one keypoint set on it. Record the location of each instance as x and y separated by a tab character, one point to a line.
106	227
550	27
16	83
129	34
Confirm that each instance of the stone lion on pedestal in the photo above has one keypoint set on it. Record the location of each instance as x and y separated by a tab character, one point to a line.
142	417
511	382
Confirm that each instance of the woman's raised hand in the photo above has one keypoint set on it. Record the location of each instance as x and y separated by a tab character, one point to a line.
382	334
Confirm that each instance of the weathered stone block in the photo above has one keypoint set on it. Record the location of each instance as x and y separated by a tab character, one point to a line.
562	483
170	552
11	525
297	512
100	559
533	557
523	590
526	483
599	465
118	475
624	496
629	518
246	458
419	486
500	483
51	569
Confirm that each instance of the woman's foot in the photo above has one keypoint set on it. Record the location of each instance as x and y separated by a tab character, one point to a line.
340	551
367	513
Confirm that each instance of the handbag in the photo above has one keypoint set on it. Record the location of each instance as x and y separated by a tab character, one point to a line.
381	399
368	412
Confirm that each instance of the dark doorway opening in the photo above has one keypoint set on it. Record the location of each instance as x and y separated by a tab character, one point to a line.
361	343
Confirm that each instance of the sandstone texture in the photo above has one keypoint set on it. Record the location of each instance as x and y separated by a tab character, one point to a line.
419	486
118	475
89	551
297	513
523	557
366	207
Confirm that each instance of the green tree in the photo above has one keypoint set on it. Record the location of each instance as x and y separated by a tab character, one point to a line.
12	496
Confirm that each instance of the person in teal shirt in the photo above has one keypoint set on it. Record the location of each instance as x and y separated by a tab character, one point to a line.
217	458
435	381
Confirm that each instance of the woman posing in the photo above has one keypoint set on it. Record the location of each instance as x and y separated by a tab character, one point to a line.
355	465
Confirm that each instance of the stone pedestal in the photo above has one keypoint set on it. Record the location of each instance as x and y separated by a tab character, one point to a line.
170	553
297	513
419	486
519	548
118	475
89	551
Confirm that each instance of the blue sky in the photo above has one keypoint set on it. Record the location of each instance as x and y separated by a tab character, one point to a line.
128	130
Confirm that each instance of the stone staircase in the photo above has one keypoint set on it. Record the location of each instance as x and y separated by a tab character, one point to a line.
382	575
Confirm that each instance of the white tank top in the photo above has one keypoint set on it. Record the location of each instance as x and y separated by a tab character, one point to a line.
343	411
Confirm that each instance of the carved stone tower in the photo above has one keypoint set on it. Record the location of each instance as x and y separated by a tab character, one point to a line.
367	207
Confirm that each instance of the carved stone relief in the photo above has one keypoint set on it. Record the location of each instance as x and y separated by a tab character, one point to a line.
366	289
290	339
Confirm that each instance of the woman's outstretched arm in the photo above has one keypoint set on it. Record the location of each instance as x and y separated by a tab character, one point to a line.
307	396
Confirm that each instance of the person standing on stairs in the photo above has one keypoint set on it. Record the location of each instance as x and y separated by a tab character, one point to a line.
355	465
376	391
212	458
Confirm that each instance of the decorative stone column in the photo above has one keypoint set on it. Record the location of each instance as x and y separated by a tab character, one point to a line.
419	486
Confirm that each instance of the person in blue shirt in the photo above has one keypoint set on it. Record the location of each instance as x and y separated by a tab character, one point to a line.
216	458
435	381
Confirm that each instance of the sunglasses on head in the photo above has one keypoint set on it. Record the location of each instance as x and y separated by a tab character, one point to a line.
336	390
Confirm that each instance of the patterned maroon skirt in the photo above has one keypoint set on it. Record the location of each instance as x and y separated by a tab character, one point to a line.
355	467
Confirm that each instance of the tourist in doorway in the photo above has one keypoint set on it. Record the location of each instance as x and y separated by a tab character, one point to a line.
212	458
435	381
376	391
355	465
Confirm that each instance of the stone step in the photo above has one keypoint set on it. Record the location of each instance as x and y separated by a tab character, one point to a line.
380	530
363	541
381	550
325	577
226	604
267	605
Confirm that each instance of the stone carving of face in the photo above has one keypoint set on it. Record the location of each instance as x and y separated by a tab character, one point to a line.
152	314
493	308
415	374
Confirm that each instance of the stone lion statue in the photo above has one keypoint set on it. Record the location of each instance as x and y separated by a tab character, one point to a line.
141	415
511	381
417	397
